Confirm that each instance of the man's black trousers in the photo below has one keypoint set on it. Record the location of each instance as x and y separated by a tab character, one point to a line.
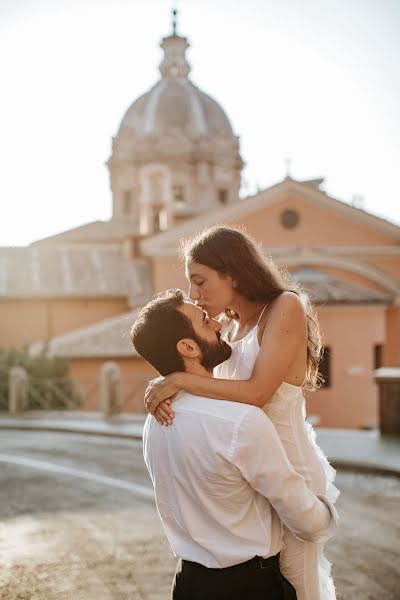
256	579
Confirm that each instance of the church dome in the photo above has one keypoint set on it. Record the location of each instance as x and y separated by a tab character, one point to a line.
175	102
175	154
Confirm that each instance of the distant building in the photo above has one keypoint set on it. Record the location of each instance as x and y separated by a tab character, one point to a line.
175	168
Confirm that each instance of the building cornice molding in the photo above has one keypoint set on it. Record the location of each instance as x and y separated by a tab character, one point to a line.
307	257
378	251
80	246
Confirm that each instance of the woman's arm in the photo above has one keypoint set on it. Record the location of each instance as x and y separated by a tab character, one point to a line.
283	337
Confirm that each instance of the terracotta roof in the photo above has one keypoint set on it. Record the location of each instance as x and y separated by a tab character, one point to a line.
325	289
72	271
95	231
110	338
105	339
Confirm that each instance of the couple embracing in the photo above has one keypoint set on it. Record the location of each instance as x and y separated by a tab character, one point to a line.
244	493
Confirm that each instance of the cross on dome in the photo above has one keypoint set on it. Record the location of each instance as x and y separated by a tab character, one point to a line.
174	20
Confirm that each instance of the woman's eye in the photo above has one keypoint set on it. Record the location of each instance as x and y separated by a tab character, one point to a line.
199	283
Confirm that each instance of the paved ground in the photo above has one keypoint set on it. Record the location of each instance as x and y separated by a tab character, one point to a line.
76	523
344	447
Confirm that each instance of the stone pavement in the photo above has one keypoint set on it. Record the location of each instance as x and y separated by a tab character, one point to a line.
345	448
126	425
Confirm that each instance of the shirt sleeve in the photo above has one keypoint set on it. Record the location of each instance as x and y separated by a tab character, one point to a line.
258	453
145	441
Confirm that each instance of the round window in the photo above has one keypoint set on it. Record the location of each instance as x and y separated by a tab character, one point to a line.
290	218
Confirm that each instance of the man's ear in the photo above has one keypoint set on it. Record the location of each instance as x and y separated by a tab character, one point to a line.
187	348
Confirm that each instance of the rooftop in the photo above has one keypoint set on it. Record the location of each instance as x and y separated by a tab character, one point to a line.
78	271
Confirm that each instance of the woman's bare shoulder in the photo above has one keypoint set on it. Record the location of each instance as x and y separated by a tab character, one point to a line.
288	304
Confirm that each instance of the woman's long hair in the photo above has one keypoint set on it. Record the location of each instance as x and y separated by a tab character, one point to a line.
230	251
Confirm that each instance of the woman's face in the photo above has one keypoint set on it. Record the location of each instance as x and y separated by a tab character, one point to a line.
210	290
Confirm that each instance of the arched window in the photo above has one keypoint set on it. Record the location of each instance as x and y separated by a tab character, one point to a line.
155	198
222	195
159	219
156	187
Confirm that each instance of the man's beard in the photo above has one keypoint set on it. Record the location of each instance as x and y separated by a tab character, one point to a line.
213	354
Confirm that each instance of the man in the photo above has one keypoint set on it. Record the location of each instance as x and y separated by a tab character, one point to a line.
222	481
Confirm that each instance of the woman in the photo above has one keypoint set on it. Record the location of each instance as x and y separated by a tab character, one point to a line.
276	349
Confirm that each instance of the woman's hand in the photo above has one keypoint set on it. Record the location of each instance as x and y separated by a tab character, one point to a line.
159	390
163	413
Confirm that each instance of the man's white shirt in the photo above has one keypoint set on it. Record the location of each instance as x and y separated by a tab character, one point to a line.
223	484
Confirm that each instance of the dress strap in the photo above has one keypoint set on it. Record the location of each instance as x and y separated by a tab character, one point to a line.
261	314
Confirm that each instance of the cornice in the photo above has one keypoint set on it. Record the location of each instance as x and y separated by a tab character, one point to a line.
312	258
379	251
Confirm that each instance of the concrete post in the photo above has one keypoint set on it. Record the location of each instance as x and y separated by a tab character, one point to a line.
17	390
388	381
110	389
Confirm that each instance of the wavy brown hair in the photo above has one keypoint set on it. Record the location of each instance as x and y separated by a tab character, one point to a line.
231	251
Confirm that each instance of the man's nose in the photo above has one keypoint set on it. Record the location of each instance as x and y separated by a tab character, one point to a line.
216	324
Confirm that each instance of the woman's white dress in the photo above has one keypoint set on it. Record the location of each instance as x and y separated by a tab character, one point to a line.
302	563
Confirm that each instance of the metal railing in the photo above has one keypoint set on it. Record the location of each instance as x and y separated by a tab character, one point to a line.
63	393
52	393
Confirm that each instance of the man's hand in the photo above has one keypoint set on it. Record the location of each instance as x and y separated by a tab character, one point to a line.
159	391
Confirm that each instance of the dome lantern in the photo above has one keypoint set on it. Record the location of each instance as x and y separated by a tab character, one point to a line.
174	64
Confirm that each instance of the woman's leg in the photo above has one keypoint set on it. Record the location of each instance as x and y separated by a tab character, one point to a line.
299	564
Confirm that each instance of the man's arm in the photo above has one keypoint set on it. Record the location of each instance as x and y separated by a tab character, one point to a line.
259	455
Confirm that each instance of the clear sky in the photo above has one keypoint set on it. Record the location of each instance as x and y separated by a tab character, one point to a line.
314	80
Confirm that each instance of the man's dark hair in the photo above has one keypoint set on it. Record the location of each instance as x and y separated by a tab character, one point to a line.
158	329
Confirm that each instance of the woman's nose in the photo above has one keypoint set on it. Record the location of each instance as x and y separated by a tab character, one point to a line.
193	292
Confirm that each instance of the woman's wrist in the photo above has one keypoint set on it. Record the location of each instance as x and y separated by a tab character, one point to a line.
177	379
